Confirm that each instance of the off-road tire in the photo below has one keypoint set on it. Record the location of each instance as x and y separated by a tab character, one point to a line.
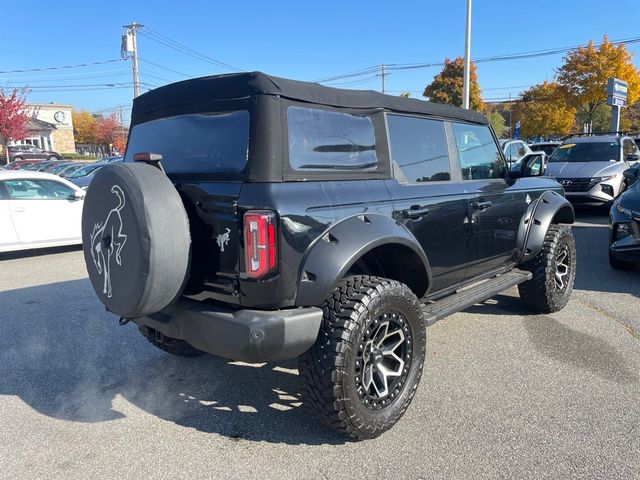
170	345
542	293
354	309
617	264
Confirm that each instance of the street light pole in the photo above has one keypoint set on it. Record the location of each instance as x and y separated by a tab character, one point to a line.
467	59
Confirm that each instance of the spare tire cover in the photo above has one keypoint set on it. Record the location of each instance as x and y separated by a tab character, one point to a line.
136	241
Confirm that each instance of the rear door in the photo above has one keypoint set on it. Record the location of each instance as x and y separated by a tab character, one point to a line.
496	204
428	196
205	156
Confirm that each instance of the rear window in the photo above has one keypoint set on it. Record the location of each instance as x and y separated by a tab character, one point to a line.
195	143
587	152
327	140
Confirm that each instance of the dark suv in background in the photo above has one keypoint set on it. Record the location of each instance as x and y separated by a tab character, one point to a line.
31	152
260	219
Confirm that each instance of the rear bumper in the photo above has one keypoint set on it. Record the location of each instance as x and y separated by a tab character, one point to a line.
252	336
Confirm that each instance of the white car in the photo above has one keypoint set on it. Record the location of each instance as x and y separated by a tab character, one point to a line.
38	210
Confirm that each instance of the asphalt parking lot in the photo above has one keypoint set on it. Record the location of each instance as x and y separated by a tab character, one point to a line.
505	394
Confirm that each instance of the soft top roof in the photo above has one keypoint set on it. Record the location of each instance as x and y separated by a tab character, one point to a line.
241	85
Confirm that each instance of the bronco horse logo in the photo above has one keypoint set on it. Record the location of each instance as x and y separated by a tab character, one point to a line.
107	238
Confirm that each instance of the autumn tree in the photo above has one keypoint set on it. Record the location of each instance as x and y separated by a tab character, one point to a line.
111	132
447	85
14	117
85	127
544	111
584	74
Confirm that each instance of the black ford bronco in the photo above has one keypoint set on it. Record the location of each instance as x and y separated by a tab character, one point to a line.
262	219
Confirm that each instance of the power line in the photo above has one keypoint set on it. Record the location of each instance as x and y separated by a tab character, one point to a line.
168	42
494	58
42	69
163	67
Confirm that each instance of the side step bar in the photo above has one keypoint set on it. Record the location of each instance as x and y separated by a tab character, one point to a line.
471	295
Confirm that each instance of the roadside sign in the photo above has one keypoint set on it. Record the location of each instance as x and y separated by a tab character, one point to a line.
617	92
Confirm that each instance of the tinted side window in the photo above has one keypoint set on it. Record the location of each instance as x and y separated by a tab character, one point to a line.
629	147
419	148
195	143
322	139
478	152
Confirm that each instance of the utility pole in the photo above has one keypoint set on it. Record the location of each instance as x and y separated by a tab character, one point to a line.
130	46
467	59
382	75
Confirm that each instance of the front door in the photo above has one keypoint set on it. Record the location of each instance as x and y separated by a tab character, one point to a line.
428	199
496	204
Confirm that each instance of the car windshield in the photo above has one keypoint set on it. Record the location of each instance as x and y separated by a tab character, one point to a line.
86	170
587	152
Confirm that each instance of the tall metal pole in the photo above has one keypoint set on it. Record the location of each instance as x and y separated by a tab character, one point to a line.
382	75
467	59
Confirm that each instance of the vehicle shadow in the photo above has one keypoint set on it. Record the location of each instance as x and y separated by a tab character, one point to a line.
68	359
38	251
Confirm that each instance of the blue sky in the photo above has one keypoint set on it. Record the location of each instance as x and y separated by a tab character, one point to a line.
301	40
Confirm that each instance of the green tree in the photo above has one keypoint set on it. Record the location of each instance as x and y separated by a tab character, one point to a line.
584	74
544	111
497	122
447	85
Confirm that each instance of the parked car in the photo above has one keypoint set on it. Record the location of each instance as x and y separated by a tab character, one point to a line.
115	158
38	210
624	225
65	172
82	176
590	168
546	147
58	167
31	152
21	164
325	224
514	150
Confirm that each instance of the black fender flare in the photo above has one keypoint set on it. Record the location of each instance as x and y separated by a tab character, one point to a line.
548	208
333	253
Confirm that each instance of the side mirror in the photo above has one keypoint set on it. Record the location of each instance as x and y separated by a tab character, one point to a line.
77	195
531	165
633	157
631	175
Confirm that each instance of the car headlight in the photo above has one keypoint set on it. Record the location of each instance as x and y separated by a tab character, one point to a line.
623	230
624	211
602	179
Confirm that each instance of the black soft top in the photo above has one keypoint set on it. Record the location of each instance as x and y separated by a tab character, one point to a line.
241	85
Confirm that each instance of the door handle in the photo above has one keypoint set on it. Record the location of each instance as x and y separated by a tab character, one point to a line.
415	211
481	206
18	210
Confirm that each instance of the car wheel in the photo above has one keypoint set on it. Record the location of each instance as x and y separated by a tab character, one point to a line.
364	369
173	346
554	272
17	159
52	158
620	264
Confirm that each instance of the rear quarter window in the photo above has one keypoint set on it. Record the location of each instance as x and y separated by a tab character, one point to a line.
327	140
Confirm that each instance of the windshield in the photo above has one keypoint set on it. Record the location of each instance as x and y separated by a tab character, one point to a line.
587	152
81	172
195	143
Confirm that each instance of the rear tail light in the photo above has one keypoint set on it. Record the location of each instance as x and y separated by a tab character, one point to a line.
260	243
